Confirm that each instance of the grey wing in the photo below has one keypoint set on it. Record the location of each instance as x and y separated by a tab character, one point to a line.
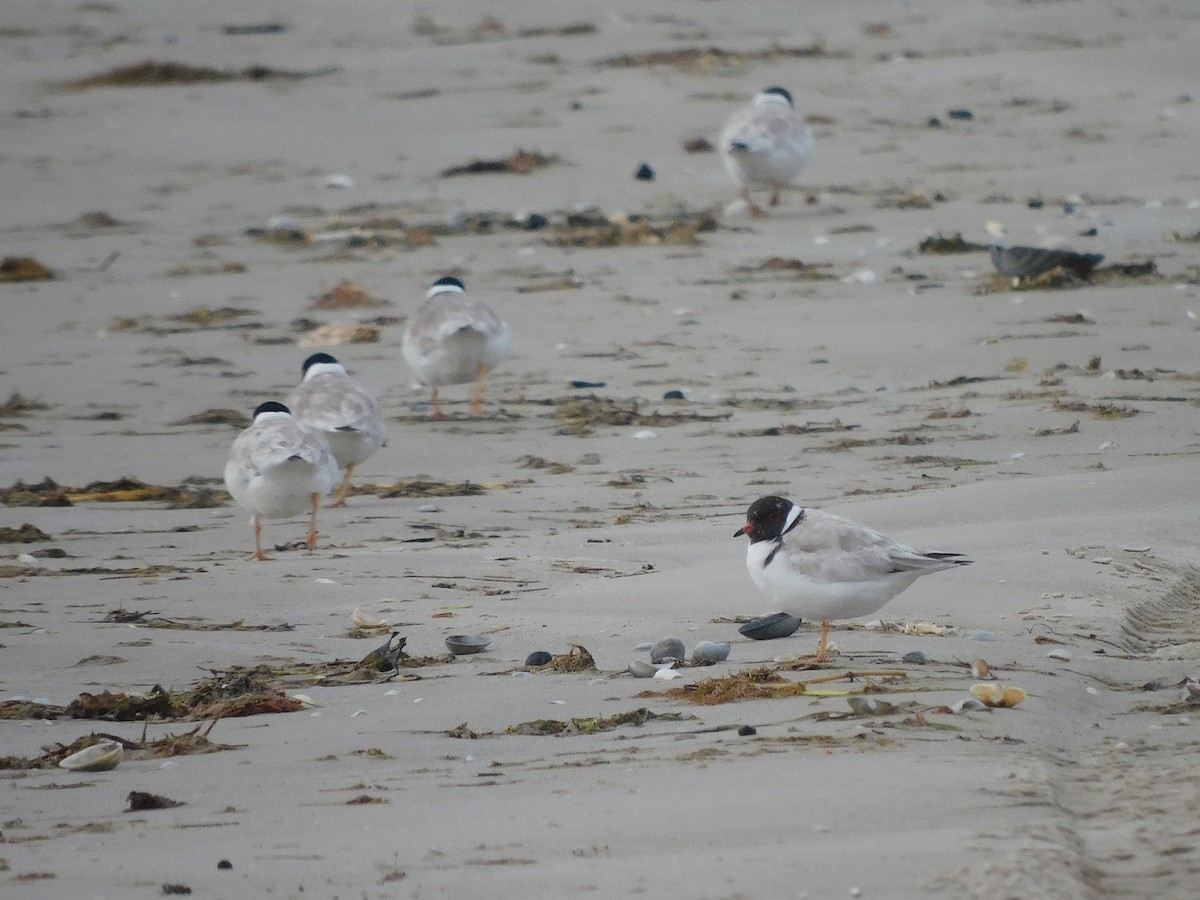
829	548
270	447
334	405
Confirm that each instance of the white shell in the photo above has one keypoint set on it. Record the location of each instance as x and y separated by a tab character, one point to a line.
666	674
362	620
968	704
97	758
1060	653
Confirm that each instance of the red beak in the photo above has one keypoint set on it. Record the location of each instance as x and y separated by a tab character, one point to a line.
745	529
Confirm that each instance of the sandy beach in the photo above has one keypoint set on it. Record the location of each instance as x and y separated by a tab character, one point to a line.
206	220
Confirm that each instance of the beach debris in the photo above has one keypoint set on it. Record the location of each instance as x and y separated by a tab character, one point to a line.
464	644
519	162
968	704
668	649
666	673
592	725
915	657
928	628
871	706
753	684
747	731
538	658
996	695
347	293
580	415
708	652
17	405
23	268
26	534
122	707
1061	653
149	619
938	244
170	888
981	670
234	418
1031	262
712	58
99	757
576	659
698	145
160	74
386	657
1098	410
364	622
140	801
644	173
335	334
423	488
593	229
981	635
777	625
639	668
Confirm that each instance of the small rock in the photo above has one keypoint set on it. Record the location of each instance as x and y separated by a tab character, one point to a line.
981	635
673	395
710	651
538	658
224	864
960	114
428	508
747	730
917	657
666	649
644	173
639	668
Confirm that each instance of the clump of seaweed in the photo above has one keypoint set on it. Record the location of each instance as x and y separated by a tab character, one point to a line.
576	659
938	244
752	684
23	268
588	725
347	293
162	74
691	59
517	162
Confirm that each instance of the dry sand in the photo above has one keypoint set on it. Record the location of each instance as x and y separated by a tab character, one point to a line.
1050	434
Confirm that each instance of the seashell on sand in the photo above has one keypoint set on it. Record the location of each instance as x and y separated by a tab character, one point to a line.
462	644
361	620
668	648
97	758
710	652
981	670
639	668
968	704
779	625
666	674
870	706
997	695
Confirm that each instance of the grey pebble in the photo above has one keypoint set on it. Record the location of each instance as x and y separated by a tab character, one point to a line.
668	648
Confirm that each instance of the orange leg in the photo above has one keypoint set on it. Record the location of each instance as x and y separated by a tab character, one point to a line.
437	406
750	207
258	553
477	397
312	523
341	494
821	657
